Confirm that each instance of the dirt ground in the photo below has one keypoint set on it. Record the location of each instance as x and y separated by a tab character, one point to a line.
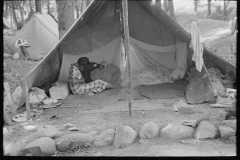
103	111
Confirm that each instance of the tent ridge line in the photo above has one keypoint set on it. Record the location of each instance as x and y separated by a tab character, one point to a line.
47	27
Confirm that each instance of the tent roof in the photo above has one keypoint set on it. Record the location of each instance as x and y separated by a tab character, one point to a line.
6	23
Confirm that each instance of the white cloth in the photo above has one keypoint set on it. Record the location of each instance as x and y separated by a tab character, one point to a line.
197	46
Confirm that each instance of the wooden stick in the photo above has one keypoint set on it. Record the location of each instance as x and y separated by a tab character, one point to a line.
127	51
7	120
13	106
210	79
25	87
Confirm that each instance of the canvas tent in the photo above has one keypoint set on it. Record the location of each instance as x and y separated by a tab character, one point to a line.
41	32
155	38
6	24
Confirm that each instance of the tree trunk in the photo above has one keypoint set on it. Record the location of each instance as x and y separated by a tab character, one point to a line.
31	7
195	5
21	12
65	10
171	9
127	50
48	7
209	7
77	11
14	15
5	11
82	6
159	3
224	8
165	6
38	6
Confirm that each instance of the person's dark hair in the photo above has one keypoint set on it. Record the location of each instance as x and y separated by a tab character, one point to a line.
83	61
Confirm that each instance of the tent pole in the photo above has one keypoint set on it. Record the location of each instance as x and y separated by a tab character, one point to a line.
127	51
209	77
13	106
25	86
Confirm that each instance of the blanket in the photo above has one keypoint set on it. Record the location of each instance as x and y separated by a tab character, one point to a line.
164	90
96	86
111	75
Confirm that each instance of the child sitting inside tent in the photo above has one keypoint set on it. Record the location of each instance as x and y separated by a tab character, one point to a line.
79	78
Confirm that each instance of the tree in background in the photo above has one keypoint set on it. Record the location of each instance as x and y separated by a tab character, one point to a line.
65	12
225	5
13	6
20	6
196	5
165	5
171	9
209	8
48	7
38	6
5	9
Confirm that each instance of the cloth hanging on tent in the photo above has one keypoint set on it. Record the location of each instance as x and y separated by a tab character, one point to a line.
197	46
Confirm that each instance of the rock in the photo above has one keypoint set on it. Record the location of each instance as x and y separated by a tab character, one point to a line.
74	129
149	130
231	123
105	138
47	131
47	145
226	131
99	154
90	94
206	130
224	116
13	149
16	55
6	55
29	127
66	142
124	136
176	131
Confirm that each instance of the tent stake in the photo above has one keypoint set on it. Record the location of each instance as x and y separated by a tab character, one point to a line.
127	51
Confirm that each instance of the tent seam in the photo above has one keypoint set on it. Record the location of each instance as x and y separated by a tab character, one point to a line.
47	28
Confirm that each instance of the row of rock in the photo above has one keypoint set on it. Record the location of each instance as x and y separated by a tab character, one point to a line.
120	137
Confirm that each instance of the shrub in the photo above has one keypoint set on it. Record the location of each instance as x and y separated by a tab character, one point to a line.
218	13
